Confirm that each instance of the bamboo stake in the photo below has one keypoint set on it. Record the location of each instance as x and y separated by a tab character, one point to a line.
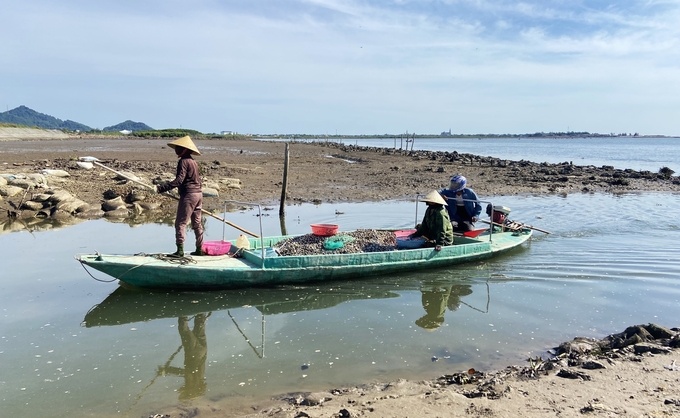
172	196
284	187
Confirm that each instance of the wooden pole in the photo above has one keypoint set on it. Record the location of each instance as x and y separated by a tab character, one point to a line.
516	225
284	186
177	198
282	222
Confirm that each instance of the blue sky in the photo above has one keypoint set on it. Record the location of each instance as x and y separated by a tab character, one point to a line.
347	66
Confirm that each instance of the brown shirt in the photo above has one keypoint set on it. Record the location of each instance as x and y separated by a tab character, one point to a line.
188	179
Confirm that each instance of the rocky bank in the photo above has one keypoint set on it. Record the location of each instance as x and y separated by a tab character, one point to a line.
44	180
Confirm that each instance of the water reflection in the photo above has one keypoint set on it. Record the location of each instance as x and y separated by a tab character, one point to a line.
46	223
36	224
195	345
126	305
442	290
436	298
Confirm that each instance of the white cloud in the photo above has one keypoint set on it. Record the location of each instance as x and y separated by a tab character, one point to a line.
369	67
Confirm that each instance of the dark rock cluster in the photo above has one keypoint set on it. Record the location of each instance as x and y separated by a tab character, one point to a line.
527	172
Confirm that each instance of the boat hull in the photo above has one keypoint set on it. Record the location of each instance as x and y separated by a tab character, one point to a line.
254	268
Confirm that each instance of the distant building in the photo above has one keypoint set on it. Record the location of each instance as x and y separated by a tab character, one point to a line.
227	132
446	133
125	132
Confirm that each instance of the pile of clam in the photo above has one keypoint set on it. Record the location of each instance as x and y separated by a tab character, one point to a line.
359	241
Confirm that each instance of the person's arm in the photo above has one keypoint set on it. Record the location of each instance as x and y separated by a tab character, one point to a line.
477	208
423	227
179	179
440	228
419	231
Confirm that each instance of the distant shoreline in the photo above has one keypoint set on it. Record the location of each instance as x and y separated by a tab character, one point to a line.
17	132
486	136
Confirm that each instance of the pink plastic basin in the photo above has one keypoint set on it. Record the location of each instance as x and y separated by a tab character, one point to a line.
404	233
216	247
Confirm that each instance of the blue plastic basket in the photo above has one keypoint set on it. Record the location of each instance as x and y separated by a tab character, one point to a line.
410	243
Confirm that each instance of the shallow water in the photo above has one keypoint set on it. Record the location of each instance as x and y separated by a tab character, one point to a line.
620	152
72	346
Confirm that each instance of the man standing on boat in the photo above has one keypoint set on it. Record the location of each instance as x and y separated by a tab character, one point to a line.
436	225
463	205
188	184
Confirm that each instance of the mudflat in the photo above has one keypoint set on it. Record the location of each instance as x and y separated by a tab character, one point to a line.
318	172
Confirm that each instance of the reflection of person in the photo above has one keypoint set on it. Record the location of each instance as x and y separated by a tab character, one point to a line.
436	225
434	302
463	205
188	184
457	292
195	347
436	299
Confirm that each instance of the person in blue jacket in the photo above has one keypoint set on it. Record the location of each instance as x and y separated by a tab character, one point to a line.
463	205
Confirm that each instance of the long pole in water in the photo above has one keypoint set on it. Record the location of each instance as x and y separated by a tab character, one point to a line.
93	161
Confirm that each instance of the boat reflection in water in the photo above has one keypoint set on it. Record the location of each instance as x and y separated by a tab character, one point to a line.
192	309
125	306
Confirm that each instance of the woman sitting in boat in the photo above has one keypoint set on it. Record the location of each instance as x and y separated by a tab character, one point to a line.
463	205
436	226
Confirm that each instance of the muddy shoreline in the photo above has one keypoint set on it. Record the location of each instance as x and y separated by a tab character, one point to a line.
631	373
252	171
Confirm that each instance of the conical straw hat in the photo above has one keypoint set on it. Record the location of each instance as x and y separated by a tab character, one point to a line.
185	142
435	197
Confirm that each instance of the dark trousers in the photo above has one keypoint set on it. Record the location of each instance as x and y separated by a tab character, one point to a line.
189	207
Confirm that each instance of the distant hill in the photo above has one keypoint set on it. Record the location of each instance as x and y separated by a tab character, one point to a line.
22	115
128	125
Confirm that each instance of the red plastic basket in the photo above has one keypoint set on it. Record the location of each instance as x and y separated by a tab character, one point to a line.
474	233
324	230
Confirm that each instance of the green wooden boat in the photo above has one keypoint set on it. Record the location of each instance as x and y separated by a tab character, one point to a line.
255	268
